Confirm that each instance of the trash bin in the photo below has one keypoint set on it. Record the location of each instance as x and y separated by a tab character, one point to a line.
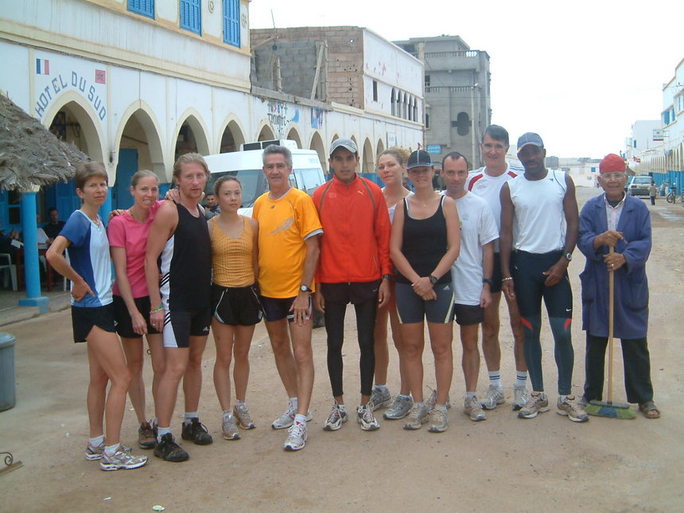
8	387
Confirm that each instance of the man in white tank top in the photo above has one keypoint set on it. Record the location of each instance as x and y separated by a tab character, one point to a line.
540	208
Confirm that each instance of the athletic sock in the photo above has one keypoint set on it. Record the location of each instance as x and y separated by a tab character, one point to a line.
470	395
96	442
342	407
161	431
301	419
293	403
521	378
562	397
239	403
227	414
380	387
188	416
495	378
403	396
110	450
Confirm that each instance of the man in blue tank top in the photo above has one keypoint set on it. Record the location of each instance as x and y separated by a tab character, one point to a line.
539	226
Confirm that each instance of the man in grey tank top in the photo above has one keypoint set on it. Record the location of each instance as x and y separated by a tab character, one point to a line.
542	207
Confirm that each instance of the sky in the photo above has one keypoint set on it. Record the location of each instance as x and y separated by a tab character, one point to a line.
578	73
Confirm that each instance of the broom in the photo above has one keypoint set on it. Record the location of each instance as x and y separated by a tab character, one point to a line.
609	408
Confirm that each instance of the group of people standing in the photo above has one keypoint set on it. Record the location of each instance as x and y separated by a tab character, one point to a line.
392	253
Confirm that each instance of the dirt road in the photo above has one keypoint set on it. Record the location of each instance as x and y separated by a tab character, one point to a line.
502	464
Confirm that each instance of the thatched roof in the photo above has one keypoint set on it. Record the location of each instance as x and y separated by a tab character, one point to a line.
29	154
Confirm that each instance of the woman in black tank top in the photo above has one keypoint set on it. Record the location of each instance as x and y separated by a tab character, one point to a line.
425	243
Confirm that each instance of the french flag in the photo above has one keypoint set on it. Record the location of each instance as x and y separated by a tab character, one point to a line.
42	67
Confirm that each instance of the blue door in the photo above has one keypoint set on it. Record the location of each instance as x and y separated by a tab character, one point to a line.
128	166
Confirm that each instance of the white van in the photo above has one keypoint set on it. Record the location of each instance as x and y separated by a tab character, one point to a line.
246	166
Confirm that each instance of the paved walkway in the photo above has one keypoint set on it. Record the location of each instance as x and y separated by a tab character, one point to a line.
11	312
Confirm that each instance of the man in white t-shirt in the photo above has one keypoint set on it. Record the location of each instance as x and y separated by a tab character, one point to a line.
471	273
486	182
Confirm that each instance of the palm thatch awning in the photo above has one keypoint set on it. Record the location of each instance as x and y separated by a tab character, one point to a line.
29	154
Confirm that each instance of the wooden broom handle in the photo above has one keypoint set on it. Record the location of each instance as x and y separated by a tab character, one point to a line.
611	307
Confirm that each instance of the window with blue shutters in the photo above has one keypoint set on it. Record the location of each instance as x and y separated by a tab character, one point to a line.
231	22
191	15
143	7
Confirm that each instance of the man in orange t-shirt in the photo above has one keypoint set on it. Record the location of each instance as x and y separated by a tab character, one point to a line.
289	230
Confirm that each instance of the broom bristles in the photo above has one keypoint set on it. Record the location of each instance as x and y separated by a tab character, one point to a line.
610	410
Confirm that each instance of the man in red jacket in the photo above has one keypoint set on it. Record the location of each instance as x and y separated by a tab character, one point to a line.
354	267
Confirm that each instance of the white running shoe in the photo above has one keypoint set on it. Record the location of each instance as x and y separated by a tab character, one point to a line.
336	418
365	417
296	437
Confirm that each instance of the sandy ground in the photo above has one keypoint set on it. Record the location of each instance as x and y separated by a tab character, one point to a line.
502	464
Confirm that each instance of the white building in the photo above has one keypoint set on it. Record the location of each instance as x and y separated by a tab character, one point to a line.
646	134
134	83
667	157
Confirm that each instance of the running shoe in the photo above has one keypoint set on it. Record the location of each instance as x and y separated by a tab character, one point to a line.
537	403
229	428
168	450
381	397
520	396
197	432
473	409
336	418
146	437
296	437
493	398
572	409
438	420
244	419
400	407
121	460
287	418
418	416
432	400
365	417
95	453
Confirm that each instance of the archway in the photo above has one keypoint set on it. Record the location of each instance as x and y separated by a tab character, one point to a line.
232	138
380	147
72	123
191	137
266	134
368	161
293	135
139	148
317	144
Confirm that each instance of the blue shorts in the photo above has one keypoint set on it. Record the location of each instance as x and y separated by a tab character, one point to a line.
412	308
276	308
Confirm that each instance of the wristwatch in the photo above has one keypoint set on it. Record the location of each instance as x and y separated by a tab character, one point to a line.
568	256
305	288
488	280
433	280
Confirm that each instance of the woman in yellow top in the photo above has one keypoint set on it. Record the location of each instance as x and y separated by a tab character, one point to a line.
235	303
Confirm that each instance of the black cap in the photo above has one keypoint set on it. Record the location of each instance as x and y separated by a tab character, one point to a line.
419	158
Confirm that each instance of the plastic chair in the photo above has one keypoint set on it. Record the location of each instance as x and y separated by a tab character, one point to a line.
7	265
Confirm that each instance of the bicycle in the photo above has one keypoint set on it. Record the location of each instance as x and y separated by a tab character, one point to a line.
672	197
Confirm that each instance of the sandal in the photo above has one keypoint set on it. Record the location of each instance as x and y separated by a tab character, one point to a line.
649	410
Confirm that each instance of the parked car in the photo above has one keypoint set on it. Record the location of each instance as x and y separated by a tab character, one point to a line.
638	185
